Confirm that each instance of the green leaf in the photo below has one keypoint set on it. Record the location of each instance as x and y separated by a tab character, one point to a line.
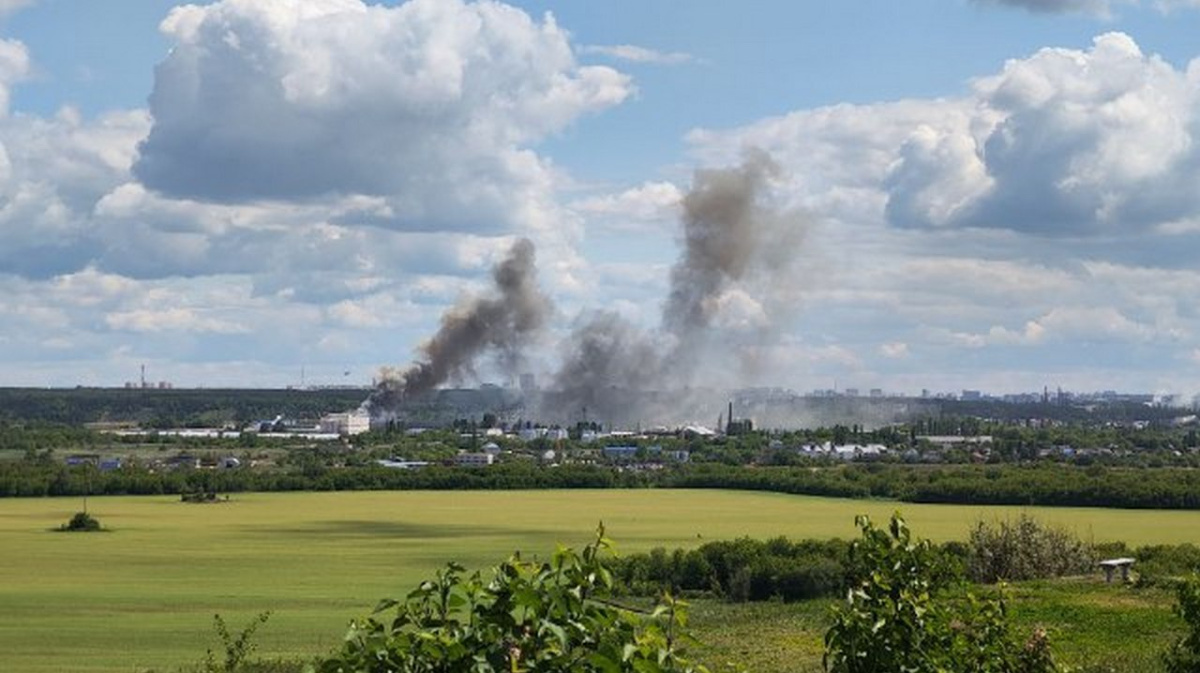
385	604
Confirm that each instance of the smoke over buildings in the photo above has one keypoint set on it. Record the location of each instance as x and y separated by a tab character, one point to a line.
723	302
500	323
736	249
607	364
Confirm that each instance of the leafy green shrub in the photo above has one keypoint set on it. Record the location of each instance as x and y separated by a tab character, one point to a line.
807	578
1184	655
530	616
82	522
1025	549
238	647
741	570
1162	564
906	612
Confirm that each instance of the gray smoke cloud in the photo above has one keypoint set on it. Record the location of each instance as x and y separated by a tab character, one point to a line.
731	238
727	294
501	323
606	364
722	232
734	246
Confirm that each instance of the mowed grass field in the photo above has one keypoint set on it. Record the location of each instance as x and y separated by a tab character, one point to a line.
143	595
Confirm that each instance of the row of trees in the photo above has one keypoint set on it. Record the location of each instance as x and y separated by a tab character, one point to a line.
37	479
1165	488
169	408
1053	485
754	570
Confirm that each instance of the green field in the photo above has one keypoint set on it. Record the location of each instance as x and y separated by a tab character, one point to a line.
144	595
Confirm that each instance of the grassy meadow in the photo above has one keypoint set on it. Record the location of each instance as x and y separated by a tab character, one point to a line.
143	595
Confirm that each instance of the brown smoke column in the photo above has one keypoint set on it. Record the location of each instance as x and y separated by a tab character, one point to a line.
729	235
501	321
723	233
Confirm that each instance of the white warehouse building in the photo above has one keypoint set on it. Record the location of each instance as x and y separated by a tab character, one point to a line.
346	423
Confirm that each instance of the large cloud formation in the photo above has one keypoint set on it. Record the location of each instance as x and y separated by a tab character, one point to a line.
350	166
1093	142
1064	141
431	105
354	168
1035	229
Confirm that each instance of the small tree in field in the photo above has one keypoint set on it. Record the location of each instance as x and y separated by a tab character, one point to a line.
82	522
907	611
529	616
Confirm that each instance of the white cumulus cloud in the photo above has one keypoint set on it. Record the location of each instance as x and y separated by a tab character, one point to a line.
1080	142
637	54
1065	141
14	66
634	207
171	320
432	105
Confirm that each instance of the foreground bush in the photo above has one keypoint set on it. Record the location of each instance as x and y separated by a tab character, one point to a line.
908	611
530	616
1184	655
1025	549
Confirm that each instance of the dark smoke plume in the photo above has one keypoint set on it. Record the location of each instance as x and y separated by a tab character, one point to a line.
733	243
605	362
723	234
725	291
501	322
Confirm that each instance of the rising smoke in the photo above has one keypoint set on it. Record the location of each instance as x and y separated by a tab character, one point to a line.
721	298
501	322
723	233
724	298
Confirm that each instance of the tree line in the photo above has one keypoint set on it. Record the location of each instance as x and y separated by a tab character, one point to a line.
155	408
1051	485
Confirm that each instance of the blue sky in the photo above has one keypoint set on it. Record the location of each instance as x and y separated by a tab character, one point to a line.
994	194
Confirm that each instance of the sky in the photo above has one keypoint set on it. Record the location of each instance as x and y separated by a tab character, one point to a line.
964	194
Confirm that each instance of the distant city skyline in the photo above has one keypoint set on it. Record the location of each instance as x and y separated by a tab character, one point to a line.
1047	393
997	195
